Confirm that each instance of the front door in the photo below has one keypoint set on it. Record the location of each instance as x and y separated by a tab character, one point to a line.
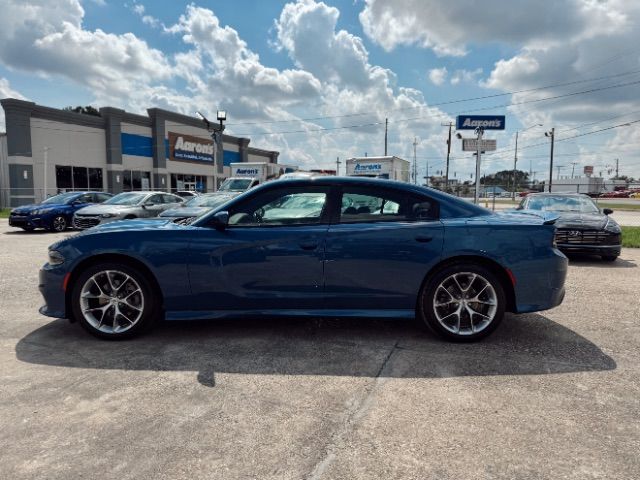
270	257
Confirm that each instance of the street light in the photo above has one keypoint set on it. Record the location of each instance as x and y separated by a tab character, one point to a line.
552	135
515	159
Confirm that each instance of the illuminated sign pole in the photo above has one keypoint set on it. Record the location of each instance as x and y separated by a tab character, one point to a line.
479	123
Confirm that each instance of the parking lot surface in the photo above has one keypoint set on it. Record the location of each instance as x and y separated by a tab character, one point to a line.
551	395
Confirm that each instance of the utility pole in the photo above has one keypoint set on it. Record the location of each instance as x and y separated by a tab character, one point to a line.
559	167
46	155
386	128
479	131
551	135
338	162
573	168
446	176
515	161
617	161
415	162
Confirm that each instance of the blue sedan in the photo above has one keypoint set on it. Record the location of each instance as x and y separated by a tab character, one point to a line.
328	246
54	213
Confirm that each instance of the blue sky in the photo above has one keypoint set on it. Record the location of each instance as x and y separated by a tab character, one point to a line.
269	61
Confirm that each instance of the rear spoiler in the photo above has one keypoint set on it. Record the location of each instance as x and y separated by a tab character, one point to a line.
548	218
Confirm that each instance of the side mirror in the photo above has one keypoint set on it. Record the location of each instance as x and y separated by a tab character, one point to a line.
607	211
220	220
148	204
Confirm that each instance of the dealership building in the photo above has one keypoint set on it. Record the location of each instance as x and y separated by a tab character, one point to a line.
46	151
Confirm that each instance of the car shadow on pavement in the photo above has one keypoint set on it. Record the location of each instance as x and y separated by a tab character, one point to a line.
576	260
523	345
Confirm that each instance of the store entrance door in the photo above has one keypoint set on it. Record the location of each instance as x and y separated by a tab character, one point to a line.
190	186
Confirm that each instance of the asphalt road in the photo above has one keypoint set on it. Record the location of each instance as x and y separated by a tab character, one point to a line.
551	395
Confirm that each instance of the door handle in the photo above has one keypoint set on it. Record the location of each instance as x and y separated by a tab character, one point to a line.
423	238
308	245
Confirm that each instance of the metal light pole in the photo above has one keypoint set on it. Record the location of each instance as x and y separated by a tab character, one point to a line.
216	136
46	155
338	162
515	159
551	135
480	132
446	176
415	162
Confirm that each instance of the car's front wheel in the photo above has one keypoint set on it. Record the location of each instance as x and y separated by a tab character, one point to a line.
59	223
462	302
113	301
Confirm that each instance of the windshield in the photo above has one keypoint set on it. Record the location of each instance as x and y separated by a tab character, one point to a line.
127	198
208	201
562	204
235	185
61	198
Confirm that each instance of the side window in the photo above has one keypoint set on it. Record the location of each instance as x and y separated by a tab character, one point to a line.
101	197
422	208
171	199
359	205
281	207
155	199
86	198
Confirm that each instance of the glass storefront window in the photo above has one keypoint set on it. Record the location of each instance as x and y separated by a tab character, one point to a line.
80	178
64	180
180	182
95	179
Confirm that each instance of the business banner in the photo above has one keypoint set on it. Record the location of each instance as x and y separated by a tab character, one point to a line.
187	148
488	122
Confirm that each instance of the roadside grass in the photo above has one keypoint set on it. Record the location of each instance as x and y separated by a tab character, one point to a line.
631	237
4	212
631	207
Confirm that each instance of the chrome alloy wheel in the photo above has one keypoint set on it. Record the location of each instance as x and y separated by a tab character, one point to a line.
111	301
465	303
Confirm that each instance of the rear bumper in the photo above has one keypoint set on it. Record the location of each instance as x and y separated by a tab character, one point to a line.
540	283
50	285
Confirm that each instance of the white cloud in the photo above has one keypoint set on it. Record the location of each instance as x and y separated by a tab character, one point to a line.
448	27
7	92
438	75
465	76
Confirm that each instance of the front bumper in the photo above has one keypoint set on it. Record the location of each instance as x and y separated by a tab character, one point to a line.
27	221
591	249
50	284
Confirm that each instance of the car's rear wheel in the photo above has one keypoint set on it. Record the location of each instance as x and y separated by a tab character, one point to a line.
462	302
609	258
113	301
58	224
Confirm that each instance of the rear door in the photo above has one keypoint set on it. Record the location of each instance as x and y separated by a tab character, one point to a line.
379	249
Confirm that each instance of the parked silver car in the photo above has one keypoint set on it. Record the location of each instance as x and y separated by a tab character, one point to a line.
126	205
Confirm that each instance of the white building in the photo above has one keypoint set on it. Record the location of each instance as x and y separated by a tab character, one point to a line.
50	150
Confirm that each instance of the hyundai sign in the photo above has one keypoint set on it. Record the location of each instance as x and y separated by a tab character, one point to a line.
488	122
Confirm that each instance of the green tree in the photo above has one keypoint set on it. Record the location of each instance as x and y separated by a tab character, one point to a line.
88	110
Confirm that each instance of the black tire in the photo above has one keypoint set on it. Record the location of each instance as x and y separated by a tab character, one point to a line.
129	217
59	224
609	258
149	304
426	311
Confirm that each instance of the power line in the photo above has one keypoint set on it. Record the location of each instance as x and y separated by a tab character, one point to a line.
439	104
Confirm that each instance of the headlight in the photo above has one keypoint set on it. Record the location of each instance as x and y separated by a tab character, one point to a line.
55	258
612	227
107	215
37	212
